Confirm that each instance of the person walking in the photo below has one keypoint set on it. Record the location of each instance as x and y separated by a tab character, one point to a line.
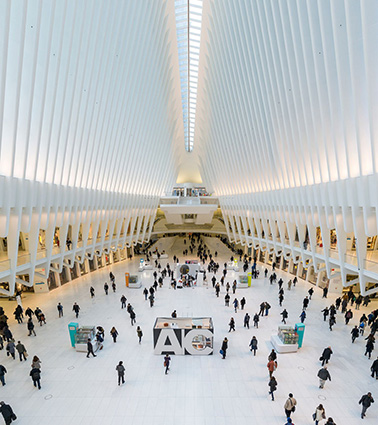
272	355
272	386
306	301
267	308
374	369
76	309
132	317
36	363
310	292
325	312
319	414
139	333
284	315
227	300
323	376
355	333
11	349
272	366
256	319
21	351
302	316
253	345
246	320
123	301
369	348
120	368
348	316
114	286
3	371
242	303
92	291
280	299
30	326
167	361
36	377
106	288
236	304
232	325
290	405
289	422
224	348
330	422
60	310
145	292
332	322
7	413
90	348
326	355
366	401
114	334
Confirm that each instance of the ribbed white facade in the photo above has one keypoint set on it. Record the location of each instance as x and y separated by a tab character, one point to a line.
288	136
90	124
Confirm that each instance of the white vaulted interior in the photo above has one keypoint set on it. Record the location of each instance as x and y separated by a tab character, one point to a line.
113	112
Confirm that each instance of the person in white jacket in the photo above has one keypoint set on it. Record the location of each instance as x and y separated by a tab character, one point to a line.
319	414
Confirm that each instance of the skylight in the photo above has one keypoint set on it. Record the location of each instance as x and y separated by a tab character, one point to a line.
188	29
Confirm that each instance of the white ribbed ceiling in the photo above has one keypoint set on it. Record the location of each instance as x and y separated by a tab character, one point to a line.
288	93
90	94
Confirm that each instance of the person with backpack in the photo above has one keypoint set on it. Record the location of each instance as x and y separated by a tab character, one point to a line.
120	368
267	308
253	345
272	386
36	377
348	316
114	334
256	319
290	406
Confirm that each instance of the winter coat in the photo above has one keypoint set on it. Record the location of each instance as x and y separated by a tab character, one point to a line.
121	370
324	374
327	353
319	414
253	344
374	366
273	384
272	365
224	345
366	400
35	374
20	348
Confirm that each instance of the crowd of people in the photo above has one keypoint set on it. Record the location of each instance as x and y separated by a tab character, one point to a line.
221	283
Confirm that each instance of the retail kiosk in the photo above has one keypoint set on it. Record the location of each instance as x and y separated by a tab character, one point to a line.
183	336
286	341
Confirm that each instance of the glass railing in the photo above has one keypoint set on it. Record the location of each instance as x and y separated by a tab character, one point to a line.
371	266
333	253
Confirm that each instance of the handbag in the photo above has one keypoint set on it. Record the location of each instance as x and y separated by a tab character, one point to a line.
313	416
293	409
26	354
221	352
14	417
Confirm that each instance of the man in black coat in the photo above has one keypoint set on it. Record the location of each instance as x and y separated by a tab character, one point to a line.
7	413
374	369
90	348
366	401
327	352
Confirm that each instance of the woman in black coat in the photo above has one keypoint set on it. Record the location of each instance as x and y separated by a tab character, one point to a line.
273	386
224	347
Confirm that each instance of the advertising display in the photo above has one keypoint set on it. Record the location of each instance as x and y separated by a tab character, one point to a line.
183	336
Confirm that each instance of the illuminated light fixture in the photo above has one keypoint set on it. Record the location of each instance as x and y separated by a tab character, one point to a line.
188	29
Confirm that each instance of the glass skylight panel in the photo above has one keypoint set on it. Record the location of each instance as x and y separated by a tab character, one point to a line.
188	30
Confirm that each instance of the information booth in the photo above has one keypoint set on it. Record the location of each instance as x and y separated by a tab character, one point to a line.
286	341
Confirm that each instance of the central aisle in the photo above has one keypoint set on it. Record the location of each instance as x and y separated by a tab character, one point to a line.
198	390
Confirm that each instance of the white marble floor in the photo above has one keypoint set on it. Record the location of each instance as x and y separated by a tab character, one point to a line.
198	390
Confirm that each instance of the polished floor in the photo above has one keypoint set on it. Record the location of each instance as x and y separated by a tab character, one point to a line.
198	390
